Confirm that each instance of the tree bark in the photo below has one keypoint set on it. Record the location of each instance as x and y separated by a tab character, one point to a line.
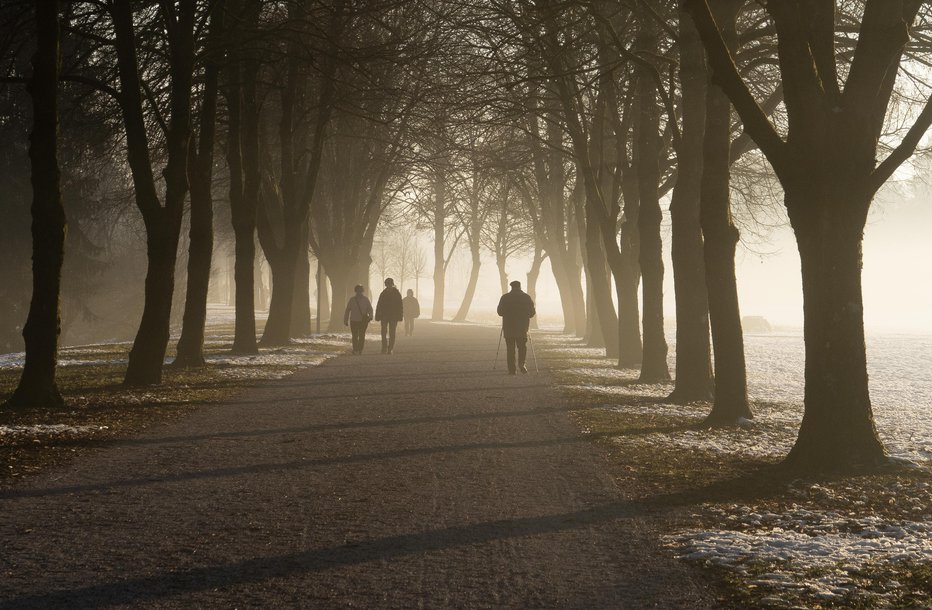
721	239
190	349
243	161
693	349
341	289
440	262
573	264
599	286
163	224
647	151
532	276
301	308
628	276
838	429
37	387
476	263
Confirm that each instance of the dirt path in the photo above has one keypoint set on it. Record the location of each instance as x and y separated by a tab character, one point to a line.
421	479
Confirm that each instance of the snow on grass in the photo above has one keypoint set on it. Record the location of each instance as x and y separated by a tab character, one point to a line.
821	554
48	429
898	369
817	554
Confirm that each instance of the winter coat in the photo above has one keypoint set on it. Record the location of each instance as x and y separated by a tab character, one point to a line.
389	307
358	309
412	309
516	309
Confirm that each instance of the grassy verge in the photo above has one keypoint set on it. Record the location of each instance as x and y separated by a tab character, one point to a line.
99	410
778	539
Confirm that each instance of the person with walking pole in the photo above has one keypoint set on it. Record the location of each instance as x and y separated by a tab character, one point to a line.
516	309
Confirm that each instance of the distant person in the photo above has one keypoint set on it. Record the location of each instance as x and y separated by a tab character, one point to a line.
516	309
411	309
389	311
357	315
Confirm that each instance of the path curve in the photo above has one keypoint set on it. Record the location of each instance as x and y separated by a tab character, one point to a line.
422	479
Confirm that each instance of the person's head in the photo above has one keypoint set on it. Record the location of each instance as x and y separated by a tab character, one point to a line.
515	285
410	292
359	289
389	282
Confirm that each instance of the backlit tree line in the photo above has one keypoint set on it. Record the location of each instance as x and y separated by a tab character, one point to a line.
562	131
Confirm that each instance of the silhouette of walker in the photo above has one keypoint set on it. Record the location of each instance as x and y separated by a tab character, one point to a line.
412	310
357	315
516	309
389	311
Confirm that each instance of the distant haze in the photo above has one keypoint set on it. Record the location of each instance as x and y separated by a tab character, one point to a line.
896	281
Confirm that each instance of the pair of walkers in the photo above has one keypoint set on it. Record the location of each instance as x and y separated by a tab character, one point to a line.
390	310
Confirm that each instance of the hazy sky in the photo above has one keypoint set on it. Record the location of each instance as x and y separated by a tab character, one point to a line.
897	272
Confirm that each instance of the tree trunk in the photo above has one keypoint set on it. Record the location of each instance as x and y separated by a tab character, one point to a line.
261	293
190	349
37	387
502	273
693	349
837	430
628	277
567	303
605	332
532	276
573	265
721	239
243	161
341	289
284	267
647	149
471	285
301	308
163	224
149	347
439	253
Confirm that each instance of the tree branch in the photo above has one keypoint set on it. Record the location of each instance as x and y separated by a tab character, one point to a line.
903	151
725	75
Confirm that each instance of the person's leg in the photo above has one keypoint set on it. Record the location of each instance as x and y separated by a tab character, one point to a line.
522	354
359	334
384	339
392	328
412	327
362	334
510	354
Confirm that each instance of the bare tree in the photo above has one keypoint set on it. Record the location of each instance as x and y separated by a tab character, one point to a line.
827	164
37	386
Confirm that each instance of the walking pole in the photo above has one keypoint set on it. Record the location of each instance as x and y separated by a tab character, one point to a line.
533	353
500	335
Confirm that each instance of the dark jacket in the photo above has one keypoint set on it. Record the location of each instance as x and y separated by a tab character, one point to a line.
389	308
412	309
516	309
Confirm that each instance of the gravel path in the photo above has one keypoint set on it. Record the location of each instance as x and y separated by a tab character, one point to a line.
421	479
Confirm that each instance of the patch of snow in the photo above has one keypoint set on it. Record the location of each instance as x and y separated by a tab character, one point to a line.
48	429
900	384
817	553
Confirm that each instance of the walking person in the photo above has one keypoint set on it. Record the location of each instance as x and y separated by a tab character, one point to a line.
357	315
411	309
389	311
516	309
